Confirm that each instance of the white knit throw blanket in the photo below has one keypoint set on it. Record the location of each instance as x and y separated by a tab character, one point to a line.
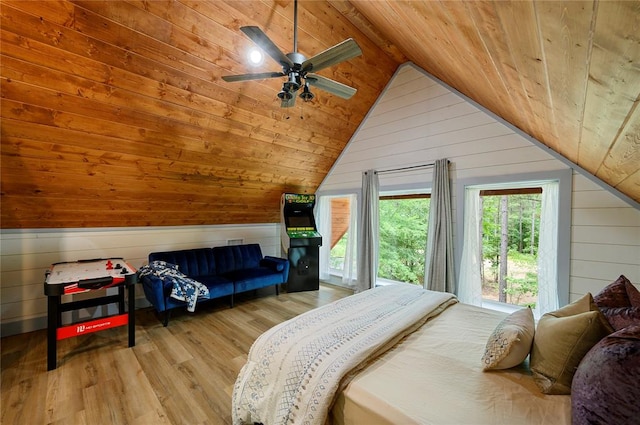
294	370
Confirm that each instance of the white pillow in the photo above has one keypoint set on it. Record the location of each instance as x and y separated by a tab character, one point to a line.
510	342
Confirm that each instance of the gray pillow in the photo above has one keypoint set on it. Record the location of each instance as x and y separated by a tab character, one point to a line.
510	343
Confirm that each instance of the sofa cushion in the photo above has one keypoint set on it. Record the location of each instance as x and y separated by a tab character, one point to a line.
191	262
257	277
605	387
236	257
218	286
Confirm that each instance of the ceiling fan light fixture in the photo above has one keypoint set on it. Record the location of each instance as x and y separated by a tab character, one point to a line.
293	83
306	94
285	95
256	58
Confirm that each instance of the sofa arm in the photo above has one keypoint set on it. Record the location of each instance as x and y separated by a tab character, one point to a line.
274	263
155	291
279	265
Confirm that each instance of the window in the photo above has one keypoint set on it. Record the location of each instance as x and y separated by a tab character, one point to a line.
509	245
339	238
551	227
336	220
403	237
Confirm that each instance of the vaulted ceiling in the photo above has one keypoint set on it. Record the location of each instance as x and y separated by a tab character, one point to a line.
114	113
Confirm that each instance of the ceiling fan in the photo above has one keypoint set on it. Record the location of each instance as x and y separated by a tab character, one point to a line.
297	68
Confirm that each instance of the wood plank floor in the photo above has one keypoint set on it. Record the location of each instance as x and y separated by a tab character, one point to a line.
181	374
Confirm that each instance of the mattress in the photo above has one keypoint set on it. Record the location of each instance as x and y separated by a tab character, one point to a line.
435	376
295	369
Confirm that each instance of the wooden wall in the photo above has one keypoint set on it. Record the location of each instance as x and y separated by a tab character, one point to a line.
340	219
417	120
25	255
114	112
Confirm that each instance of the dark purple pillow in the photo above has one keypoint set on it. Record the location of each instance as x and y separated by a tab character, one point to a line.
605	387
621	317
620	303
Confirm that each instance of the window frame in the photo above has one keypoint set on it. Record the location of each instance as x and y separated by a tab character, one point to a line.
564	179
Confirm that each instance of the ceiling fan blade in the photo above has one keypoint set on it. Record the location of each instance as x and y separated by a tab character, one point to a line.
265	43
247	77
340	52
334	87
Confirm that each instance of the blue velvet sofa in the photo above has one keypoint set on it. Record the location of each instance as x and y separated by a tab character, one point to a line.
224	270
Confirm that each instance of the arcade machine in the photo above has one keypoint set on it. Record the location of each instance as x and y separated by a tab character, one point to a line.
300	241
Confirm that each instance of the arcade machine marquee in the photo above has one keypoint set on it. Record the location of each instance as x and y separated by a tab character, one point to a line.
300	241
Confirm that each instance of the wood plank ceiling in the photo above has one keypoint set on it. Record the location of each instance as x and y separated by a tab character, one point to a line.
114	112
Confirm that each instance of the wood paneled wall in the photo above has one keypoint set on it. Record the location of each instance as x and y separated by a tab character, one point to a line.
418	120
114	114
340	218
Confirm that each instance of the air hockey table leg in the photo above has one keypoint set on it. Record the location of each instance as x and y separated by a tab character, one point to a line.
53	323
132	315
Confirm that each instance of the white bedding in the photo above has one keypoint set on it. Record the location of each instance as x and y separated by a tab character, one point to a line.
294	370
435	376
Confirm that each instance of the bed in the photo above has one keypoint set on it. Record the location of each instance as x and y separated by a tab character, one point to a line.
445	383
392	355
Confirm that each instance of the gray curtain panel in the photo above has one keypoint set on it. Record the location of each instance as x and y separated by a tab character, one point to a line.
368	232
439	266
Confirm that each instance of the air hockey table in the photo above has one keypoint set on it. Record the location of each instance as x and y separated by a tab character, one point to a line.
76	277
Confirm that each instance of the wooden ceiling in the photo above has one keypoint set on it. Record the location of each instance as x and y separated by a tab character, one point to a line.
114	112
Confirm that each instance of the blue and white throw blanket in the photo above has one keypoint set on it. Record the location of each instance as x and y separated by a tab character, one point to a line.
183	288
295	369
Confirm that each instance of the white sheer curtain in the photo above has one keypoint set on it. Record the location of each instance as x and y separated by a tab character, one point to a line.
324	219
547	250
350	263
368	232
470	281
323	223
439	269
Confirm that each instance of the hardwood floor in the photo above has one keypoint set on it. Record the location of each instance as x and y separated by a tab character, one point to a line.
181	374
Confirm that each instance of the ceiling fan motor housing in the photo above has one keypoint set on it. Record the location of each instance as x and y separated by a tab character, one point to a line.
297	59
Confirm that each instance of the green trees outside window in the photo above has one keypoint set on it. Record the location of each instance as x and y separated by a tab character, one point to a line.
510	234
403	238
